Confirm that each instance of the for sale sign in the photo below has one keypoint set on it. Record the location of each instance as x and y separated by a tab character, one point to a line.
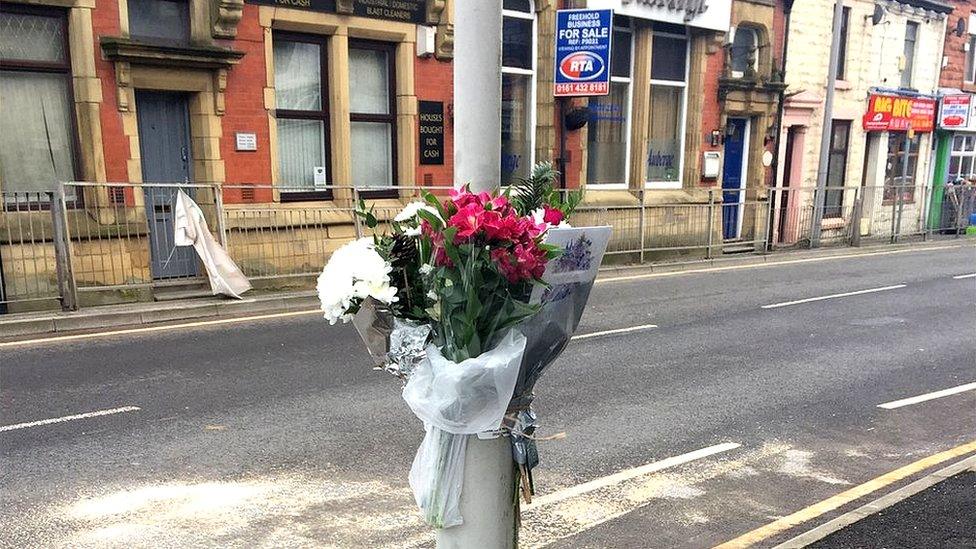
583	40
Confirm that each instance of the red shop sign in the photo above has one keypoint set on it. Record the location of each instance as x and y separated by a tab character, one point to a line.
896	113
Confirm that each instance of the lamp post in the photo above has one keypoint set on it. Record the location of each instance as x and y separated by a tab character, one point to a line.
826	128
487	495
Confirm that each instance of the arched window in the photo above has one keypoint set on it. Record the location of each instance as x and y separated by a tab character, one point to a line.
744	51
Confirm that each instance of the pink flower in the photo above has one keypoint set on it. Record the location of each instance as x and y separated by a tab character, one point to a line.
500	228
551	215
468	220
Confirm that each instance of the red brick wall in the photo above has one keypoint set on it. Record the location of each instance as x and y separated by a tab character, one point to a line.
952	73
105	22
245	112
711	109
434	81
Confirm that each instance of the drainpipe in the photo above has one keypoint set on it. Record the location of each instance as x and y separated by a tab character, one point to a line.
787	11
826	127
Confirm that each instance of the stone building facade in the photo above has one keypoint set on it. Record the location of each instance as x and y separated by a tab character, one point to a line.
273	110
889	48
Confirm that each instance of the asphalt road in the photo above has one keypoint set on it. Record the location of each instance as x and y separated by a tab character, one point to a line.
275	433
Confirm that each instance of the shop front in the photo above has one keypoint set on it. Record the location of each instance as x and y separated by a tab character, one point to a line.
955	154
647	132
899	145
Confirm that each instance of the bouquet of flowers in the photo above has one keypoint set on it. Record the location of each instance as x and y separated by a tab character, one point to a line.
443	298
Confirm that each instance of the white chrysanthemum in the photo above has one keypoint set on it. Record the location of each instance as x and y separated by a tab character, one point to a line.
354	272
409	212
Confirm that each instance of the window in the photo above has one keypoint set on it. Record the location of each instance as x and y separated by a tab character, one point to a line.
372	115
743	55
970	70
908	58
518	89
837	168
302	116
159	20
37	146
609	129
665	138
842	47
900	181
962	159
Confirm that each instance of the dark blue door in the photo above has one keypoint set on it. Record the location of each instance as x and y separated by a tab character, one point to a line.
164	143
735	150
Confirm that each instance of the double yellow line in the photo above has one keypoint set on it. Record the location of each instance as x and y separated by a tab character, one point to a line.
790	521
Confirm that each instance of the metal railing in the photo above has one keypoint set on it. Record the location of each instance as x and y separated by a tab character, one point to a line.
89	239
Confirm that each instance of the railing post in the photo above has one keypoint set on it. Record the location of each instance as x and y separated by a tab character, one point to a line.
67	286
768	221
711	226
894	213
641	223
221	221
357	223
856	218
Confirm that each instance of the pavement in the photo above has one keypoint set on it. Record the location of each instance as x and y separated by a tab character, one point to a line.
703	406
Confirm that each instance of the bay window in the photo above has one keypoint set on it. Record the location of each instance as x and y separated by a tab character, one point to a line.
302	116
37	145
609	123
665	138
372	115
518	89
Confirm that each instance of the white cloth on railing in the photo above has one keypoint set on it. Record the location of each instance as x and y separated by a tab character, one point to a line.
190	229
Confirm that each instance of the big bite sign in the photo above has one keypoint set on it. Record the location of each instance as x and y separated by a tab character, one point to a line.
899	113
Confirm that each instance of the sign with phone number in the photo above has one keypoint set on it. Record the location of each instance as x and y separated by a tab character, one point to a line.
897	113
583	40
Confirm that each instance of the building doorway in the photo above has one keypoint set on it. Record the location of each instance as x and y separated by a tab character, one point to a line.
164	146
734	176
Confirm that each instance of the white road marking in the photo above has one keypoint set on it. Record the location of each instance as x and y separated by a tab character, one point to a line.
69	418
927	396
641	276
960	277
628	474
616	331
833	296
157	328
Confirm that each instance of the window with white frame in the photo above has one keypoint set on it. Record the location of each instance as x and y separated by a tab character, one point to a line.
609	124
962	159
665	135
518	89
743	52
970	70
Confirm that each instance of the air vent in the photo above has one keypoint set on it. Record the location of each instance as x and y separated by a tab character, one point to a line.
247	194
428	179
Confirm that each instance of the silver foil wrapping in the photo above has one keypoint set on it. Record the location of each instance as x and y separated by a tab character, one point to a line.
396	345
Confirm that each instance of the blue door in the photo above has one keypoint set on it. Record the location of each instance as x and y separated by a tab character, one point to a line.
736	145
164	143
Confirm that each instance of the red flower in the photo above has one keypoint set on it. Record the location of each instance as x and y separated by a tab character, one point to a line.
469	220
551	215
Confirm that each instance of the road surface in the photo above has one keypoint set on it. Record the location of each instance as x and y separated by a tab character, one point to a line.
726	399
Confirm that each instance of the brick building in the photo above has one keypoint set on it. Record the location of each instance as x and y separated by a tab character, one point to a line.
955	149
270	113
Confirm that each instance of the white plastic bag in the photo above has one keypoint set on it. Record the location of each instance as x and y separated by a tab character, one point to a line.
456	400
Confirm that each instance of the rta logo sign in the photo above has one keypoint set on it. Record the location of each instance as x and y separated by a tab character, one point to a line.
582	66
